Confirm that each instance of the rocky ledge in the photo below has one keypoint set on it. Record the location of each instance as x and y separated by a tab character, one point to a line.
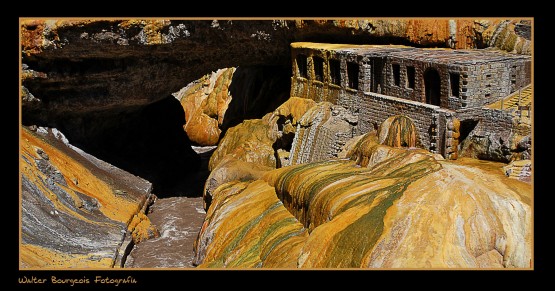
76	210
373	206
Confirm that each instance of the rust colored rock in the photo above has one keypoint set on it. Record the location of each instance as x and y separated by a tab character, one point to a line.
202	129
251	141
502	34
262	234
403	209
205	102
428	31
398	131
77	211
231	169
294	108
142	229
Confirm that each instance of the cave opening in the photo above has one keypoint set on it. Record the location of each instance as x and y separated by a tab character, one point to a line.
147	141
256	91
466	127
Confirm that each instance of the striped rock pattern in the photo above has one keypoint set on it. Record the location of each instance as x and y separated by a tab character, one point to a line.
76	211
383	208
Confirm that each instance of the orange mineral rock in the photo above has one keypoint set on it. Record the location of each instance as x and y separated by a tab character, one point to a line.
404	208
74	207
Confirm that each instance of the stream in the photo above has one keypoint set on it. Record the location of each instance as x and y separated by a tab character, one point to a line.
178	219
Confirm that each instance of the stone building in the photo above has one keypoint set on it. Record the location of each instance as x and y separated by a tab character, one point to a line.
431	86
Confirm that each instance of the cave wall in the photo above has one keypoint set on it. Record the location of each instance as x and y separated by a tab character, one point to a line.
91	65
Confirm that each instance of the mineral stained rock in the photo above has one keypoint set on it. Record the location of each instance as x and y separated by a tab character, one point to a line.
397	131
398	208
254	146
92	65
262	234
250	141
205	103
321	133
76	211
225	98
257	140
231	169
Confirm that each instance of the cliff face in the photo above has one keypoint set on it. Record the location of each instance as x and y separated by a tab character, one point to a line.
288	186
394	208
91	65
77	211
204	103
225	98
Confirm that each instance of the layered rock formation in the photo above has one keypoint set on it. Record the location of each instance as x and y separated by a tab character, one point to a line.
91	65
397	131
226	97
261	226
373	201
251	141
326	124
205	102
76	211
384	208
252	147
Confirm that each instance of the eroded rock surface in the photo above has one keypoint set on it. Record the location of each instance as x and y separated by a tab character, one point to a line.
92	65
251	141
385	208
205	102
76	211
321	133
225	98
384	205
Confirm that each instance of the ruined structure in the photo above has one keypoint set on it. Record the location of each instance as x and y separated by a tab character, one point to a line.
447	93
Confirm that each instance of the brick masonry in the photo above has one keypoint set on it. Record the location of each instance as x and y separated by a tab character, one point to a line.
323	136
383	90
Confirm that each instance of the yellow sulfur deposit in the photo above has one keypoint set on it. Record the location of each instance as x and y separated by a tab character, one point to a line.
385	208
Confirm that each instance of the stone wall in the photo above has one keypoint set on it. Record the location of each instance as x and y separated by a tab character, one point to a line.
383	71
483	76
448	134
321	133
372	109
402	91
310	87
497	135
488	82
376	108
491	121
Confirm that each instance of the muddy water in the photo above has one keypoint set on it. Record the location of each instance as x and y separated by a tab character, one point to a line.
178	220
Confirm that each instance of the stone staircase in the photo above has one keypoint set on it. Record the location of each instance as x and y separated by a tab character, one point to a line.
519	103
520	170
512	101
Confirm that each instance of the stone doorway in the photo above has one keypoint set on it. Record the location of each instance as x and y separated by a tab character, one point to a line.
432	87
